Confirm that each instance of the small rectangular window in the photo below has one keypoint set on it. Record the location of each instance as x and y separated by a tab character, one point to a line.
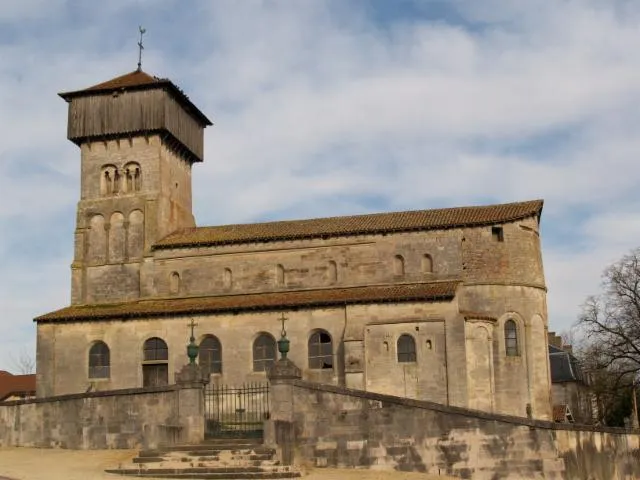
497	233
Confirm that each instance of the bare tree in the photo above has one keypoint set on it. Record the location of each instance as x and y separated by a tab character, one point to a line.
611	320
610	323
23	363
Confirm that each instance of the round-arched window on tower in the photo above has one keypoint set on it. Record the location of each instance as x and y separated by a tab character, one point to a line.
511	338
132	177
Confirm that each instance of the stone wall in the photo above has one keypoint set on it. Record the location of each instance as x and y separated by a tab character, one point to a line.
117	225
336	427
133	418
460	360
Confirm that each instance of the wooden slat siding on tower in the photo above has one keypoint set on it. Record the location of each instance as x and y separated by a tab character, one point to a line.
131	112
136	103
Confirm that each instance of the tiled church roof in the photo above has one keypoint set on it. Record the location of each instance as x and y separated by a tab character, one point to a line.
256	301
353	225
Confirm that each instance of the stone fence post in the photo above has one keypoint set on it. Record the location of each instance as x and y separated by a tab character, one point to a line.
280	429
191	382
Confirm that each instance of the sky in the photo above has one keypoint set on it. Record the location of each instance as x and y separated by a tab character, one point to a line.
325	108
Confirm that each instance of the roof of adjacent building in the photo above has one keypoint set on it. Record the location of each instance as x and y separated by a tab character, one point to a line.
433	291
408	221
562	413
564	366
139	80
16	385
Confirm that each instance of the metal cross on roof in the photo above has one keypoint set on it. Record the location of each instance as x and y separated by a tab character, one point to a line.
140	47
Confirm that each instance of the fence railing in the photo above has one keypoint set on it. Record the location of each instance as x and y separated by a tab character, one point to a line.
236	411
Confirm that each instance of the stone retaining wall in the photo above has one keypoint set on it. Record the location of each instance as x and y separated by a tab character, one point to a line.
337	427
131	418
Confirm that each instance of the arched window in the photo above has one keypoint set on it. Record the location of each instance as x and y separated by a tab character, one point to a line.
132	177
174	283
333	272
109	180
155	368
320	350
406	349
279	275
398	265
264	352
99	360
155	349
427	263
210	354
511	338
227	278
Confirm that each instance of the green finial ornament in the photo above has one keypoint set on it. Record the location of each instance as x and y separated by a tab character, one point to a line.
283	343
192	348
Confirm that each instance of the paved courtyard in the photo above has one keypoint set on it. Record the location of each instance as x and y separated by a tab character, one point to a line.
48	464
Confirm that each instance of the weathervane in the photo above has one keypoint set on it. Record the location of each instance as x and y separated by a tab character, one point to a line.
140	47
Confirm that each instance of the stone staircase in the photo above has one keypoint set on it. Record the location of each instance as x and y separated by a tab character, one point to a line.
234	458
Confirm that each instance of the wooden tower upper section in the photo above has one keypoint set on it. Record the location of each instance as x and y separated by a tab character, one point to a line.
132	104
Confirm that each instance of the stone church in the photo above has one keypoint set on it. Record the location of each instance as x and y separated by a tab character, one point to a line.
445	305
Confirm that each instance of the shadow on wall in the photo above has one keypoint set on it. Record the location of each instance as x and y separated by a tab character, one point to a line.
338	427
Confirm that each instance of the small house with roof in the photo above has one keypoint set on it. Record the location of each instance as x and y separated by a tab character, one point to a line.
16	387
571	394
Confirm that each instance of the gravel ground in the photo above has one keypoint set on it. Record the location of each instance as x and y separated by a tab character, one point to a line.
47	464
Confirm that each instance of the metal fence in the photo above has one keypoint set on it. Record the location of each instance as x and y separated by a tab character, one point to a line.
236	411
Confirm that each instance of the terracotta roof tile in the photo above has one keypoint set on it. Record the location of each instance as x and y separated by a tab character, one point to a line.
16	385
353	225
560	413
470	315
131	79
257	301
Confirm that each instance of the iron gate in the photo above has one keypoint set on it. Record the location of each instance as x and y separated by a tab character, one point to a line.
236	411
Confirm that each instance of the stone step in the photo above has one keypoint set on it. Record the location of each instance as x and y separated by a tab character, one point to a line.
232	440
208	472
205	450
188	469
220	476
218	458
148	459
212	463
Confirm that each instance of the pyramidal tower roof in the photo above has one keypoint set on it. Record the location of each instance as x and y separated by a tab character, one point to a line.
136	78
139	80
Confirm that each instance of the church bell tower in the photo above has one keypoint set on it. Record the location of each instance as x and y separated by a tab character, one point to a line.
139	136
